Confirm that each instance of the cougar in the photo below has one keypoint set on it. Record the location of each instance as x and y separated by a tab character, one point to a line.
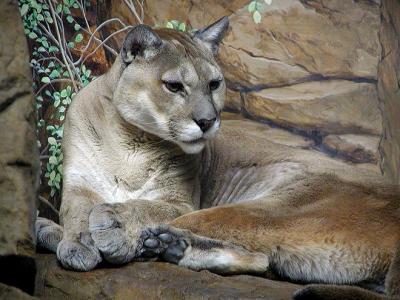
146	177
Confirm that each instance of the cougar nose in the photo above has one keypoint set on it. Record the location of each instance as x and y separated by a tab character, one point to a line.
205	124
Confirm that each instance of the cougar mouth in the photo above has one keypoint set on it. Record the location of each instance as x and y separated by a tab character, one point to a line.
195	141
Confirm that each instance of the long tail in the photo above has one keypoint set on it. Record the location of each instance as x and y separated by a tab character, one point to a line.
328	292
48	234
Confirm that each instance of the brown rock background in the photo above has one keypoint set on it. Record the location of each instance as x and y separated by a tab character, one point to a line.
18	155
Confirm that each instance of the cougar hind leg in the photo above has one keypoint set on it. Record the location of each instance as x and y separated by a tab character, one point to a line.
327	292
48	234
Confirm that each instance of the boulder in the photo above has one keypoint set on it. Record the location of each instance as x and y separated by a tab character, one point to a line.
18	154
233	101
272	134
151	280
299	40
332	106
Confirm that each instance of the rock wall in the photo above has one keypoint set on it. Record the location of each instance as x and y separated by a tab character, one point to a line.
18	154
389	88
309	67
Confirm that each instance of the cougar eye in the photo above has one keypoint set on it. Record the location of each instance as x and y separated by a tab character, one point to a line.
174	87
214	84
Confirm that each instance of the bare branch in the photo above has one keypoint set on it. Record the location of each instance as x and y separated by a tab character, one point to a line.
47	203
105	40
81	58
112	51
132	8
61	48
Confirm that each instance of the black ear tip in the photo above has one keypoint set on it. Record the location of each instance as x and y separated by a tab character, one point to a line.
141	31
225	20
138	40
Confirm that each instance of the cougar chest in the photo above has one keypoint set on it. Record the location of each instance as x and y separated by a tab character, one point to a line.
135	175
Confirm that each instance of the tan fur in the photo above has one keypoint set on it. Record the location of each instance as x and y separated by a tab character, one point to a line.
236	203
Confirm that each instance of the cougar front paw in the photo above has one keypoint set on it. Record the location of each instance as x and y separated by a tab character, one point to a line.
79	255
48	234
109	235
163	241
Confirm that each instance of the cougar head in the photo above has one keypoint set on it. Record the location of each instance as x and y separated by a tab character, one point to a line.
170	84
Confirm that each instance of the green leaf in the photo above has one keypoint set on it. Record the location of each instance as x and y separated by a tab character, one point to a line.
45	80
71	45
70	19
77	26
52	175
169	25
32	35
257	17
59	8
52	141
54	74
62	118
66	10
79	38
53	49
58	178
59	168
24	9
64	93
61	109
182	27
40	17
53	160
252	6
57	102
175	23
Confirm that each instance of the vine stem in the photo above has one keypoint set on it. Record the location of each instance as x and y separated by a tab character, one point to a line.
62	48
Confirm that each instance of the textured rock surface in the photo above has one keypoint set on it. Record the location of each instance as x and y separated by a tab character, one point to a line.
275	135
389	88
11	293
18	152
297	40
327	106
151	281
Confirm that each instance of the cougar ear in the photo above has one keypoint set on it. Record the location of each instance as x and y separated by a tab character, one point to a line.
213	34
142	42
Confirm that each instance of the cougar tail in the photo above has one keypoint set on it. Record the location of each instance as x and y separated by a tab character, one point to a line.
327	292
48	234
